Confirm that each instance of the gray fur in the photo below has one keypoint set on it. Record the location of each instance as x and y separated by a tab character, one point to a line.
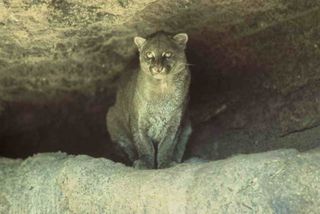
149	119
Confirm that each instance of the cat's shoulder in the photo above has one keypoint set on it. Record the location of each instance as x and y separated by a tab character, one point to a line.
127	78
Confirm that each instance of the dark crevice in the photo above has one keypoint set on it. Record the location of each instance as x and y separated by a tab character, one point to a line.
300	130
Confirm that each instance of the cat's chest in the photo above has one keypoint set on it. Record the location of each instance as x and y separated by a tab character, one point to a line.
161	109
158	121
159	117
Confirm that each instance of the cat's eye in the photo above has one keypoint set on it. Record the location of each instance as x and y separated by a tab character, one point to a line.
149	55
167	54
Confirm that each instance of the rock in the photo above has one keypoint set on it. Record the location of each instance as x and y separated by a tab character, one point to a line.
283	181
255	87
255	72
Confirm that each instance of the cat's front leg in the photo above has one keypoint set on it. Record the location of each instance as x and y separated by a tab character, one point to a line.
166	148
146	152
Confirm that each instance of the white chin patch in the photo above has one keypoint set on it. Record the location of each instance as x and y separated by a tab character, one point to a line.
159	76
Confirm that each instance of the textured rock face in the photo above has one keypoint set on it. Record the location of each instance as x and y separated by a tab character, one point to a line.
275	182
255	87
255	68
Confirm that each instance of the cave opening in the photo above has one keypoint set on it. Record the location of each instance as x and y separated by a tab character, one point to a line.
234	109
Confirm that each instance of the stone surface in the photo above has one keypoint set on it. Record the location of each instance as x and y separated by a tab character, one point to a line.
255	68
282	181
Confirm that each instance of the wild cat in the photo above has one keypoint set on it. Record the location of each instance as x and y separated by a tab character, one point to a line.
149	120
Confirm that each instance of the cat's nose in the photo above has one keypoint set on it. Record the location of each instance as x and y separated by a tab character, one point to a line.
158	69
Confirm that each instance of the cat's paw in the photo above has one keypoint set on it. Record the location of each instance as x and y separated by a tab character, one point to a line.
140	164
173	163
167	165
195	160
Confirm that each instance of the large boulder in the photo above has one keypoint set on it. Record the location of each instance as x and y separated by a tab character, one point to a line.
283	181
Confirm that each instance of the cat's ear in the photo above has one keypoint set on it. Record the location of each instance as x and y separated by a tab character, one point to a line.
181	39
139	41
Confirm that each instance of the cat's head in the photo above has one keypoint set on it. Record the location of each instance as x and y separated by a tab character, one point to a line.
162	54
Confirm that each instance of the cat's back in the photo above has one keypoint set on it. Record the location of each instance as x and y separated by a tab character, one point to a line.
126	86
118	114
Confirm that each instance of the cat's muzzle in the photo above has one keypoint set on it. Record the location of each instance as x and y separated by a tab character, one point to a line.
159	73
158	70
